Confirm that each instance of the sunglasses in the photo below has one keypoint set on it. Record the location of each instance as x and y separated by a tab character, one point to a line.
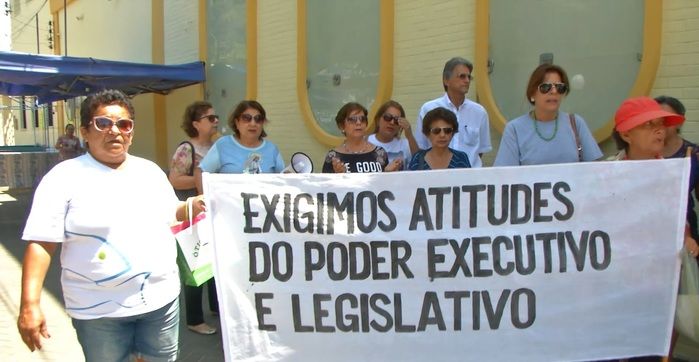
211	117
561	88
464	76
357	119
105	124
391	118
249	118
437	130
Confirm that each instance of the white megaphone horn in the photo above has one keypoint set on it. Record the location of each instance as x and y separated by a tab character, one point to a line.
300	163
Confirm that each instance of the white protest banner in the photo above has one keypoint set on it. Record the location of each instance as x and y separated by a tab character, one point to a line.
543	263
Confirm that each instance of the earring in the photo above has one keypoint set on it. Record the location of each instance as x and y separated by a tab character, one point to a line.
531	100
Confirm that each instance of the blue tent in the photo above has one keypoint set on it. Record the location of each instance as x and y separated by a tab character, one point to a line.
51	78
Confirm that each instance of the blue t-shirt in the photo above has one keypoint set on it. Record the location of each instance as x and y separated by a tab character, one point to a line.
458	160
522	145
227	155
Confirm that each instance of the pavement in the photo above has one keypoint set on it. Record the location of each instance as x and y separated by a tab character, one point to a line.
63	344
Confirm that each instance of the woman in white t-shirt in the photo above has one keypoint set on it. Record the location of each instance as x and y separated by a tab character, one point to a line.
389	123
118	270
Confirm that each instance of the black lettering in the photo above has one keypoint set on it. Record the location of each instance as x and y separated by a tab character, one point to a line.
296	315
497	256
308	248
479	256
421	211
262	311
392	223
520	258
332	259
457	297
270	209
308	215
376	260
504	203
606	250
341	317
495	316
288	259
255	275
248	214
515	310
373	301
524	193
473	191
557	188
361	224
320	313
398	261
431	303
540	202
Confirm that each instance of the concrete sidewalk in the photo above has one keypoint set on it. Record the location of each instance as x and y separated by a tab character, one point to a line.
63	344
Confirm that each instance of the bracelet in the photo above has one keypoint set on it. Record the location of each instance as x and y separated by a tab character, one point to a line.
186	209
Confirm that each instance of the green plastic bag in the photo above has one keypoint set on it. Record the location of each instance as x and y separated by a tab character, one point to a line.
193	278
687	312
194	255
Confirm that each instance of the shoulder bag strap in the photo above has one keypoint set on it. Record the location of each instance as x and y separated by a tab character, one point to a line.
574	126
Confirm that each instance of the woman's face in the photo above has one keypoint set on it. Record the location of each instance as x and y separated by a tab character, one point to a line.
207	124
70	131
355	125
647	138
110	144
440	134
250	124
389	128
549	102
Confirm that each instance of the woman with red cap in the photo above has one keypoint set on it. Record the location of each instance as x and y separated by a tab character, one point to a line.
639	132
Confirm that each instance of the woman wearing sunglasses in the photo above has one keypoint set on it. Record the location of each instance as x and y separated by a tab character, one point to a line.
200	123
439	125
546	135
119	275
246	151
355	154
390	122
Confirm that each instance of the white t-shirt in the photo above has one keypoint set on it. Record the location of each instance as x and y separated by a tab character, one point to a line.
118	255
398	147
474	128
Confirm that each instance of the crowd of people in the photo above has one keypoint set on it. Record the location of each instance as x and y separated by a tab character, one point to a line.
123	302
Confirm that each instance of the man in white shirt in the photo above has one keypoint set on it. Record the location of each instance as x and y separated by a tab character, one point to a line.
473	136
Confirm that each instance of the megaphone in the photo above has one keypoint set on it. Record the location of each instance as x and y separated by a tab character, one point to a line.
300	163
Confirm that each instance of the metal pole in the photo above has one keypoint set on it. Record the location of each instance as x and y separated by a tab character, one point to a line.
65	26
36	17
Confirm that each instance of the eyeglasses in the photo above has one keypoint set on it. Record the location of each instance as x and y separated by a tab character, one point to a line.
437	130
561	88
211	117
464	76
391	118
105	124
249	118
357	119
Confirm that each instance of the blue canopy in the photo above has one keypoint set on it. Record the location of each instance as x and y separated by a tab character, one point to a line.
52	78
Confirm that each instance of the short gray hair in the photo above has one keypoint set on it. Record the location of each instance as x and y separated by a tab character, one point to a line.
452	63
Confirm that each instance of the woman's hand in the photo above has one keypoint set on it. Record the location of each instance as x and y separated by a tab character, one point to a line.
691	245
338	166
404	125
198	205
395	165
31	325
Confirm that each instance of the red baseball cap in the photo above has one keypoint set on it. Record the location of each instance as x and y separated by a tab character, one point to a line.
634	112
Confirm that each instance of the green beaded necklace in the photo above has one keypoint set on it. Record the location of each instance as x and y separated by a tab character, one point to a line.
536	127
